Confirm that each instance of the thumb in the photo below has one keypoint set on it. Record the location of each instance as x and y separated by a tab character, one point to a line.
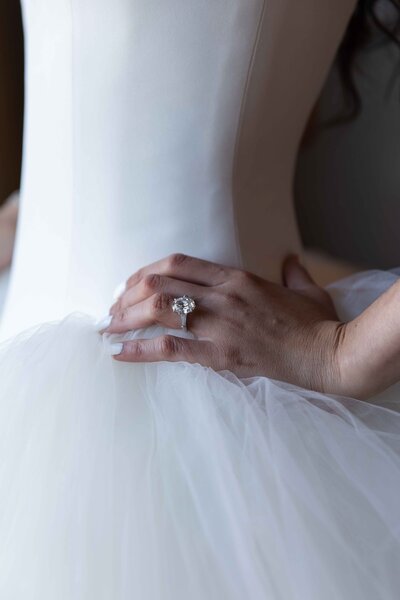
295	276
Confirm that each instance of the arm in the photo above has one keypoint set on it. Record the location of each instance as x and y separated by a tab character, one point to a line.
370	347
8	224
252	327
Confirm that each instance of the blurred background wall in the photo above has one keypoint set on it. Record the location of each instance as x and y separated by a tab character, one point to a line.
348	177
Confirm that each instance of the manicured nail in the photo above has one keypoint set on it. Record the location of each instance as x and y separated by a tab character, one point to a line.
103	323
116	349
119	290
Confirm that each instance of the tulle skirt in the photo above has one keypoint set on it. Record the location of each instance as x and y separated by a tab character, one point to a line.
174	482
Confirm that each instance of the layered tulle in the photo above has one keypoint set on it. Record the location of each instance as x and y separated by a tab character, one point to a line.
171	481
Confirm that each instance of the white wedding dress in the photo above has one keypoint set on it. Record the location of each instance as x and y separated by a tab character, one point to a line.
152	127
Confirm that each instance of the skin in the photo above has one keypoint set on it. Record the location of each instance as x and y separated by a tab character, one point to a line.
243	323
246	324
8	224
251	326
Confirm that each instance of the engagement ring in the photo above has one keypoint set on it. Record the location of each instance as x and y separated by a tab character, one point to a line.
183	306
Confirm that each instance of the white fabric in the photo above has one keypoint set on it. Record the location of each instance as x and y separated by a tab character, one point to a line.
155	127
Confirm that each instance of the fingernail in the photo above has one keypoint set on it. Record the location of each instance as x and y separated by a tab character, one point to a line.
119	290
104	323
116	349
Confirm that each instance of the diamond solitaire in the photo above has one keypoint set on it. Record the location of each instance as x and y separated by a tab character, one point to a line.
183	306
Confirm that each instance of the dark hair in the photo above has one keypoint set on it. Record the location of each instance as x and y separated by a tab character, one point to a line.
370	17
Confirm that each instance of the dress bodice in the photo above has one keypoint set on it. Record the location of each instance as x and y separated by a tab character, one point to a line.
158	126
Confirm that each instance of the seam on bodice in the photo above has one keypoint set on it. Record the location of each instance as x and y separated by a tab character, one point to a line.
240	125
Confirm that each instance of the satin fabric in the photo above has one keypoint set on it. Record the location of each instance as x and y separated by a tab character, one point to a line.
159	126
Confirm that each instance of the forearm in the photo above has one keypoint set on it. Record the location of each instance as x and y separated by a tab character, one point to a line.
369	348
9	210
8	224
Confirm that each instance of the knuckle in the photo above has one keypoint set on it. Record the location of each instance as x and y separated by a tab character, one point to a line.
245	277
168	345
135	278
160	303
230	298
176	260
222	273
122	315
134	349
152	282
230	301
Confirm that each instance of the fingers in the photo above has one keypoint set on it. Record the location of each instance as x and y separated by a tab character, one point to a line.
186	268
157	310
156	284
167	348
295	276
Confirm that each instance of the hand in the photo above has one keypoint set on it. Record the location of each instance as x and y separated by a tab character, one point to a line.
243	323
8	223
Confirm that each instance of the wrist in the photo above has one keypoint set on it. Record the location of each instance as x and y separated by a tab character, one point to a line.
335	369
357	376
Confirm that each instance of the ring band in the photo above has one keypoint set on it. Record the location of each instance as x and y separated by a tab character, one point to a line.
183	306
